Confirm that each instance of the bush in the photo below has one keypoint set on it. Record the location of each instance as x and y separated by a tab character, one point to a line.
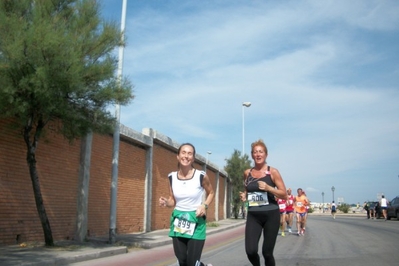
344	207
212	224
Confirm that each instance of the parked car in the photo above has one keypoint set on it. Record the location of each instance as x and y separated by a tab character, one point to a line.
393	208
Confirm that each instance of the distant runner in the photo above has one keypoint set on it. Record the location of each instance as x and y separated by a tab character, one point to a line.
289	209
301	201
282	206
333	209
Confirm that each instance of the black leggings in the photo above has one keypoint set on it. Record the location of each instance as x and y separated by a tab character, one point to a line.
268	222
188	251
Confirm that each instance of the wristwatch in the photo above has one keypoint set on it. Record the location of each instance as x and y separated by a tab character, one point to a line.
206	206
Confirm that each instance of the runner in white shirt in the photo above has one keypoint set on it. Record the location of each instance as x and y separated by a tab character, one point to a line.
384	205
187	186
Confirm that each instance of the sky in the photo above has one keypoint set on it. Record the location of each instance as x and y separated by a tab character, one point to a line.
322	78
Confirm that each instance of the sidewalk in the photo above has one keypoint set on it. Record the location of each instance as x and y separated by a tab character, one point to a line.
67	252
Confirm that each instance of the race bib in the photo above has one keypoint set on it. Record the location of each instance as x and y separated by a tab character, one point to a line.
183	226
299	204
281	206
257	199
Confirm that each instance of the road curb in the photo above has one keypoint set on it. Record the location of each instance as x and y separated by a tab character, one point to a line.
84	256
47	257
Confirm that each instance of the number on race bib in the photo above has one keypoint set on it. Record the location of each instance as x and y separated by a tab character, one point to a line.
184	224
257	199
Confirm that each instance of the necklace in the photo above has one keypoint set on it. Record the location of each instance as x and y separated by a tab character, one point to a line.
262	170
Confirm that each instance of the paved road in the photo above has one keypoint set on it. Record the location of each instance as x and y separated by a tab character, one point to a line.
348	241
162	256
345	241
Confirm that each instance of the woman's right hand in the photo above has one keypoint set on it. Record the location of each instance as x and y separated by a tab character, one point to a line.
163	202
243	196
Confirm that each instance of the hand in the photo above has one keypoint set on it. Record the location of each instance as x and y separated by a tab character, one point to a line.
263	186
163	202
243	196
201	211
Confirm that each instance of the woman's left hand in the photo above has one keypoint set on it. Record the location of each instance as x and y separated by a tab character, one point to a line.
200	211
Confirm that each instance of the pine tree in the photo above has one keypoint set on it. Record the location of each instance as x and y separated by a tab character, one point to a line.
57	63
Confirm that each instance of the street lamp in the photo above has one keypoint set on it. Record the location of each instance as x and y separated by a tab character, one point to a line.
206	163
333	189
322	195
244	104
207	154
116	136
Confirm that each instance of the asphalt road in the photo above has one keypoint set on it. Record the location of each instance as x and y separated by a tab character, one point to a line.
347	240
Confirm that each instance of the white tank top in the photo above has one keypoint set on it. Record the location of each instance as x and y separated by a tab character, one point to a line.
188	193
384	202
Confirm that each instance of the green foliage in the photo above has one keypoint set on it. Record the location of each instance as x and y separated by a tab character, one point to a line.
57	62
344	207
212	224
235	167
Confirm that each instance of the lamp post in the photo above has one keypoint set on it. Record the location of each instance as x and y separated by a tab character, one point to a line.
207	154
206	162
244	104
333	189
116	136
322	195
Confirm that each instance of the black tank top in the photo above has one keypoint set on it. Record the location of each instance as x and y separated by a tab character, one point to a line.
252	186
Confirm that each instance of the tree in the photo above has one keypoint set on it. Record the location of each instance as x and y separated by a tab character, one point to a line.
235	168
57	64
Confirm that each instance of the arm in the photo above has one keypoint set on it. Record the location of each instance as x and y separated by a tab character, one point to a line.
307	201
206	184
279	191
168	202
243	194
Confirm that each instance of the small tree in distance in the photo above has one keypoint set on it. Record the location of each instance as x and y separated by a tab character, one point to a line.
235	167
57	64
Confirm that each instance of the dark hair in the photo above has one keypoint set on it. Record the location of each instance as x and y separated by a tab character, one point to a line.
179	149
184	144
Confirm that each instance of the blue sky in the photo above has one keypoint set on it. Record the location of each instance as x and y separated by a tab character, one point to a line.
322	78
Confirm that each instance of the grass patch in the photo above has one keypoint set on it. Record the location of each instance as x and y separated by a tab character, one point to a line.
212	224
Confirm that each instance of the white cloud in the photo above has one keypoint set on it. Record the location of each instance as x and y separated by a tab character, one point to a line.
322	77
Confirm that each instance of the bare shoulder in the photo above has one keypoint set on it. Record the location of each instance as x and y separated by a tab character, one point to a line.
246	173
274	171
206	178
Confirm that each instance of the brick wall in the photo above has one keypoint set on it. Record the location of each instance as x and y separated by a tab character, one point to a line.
58	168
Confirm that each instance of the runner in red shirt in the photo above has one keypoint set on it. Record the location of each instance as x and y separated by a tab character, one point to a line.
289	209
282	205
